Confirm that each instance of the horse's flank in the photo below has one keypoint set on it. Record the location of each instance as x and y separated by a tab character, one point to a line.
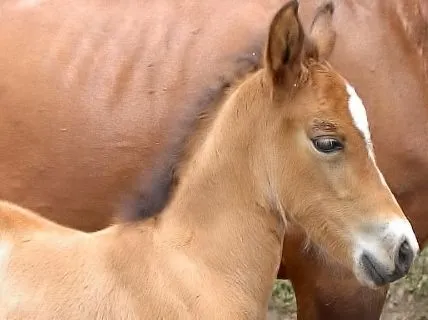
126	70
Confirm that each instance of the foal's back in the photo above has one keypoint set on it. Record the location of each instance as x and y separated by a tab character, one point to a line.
48	271
41	270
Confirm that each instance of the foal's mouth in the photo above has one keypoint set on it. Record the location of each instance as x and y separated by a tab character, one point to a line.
373	271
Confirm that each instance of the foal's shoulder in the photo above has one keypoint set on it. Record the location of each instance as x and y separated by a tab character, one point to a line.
15	219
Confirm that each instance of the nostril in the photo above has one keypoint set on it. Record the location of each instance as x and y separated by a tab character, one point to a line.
403	252
404	257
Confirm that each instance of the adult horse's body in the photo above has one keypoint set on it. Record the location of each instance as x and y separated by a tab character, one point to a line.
91	101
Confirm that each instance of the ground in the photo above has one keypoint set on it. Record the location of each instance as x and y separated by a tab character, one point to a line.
407	298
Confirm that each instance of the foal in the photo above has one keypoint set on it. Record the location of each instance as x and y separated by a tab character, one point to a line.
290	143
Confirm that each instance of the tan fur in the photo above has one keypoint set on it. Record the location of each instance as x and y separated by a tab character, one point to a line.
77	126
24	223
222	232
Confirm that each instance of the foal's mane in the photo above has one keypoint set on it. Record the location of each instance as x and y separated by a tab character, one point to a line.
154	188
203	124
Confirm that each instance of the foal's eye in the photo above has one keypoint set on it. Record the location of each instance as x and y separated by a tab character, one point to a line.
327	144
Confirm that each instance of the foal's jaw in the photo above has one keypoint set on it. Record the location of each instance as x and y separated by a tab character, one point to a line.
385	252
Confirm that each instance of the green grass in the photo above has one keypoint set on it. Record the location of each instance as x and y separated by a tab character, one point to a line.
283	299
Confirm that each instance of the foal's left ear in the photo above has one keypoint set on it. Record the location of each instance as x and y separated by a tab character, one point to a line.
322	35
284	51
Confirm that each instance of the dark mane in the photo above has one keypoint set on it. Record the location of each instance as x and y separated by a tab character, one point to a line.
203	123
156	186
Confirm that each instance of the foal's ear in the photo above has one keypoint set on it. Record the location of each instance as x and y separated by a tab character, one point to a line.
322	34
284	49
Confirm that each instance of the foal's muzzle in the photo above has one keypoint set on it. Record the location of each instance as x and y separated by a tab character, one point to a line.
379	274
385	252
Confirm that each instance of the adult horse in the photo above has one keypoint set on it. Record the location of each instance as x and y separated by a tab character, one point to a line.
240	188
91	102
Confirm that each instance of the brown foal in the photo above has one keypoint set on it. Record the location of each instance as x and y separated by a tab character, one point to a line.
289	144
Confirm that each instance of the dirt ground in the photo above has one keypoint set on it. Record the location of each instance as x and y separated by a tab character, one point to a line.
407	298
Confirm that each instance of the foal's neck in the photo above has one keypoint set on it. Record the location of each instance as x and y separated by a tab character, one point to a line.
219	216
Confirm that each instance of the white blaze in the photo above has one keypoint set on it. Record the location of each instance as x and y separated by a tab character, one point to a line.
358	112
359	117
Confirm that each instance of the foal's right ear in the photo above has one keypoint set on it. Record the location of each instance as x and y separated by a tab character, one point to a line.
284	51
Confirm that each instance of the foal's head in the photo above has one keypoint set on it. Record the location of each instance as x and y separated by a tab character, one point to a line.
312	155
